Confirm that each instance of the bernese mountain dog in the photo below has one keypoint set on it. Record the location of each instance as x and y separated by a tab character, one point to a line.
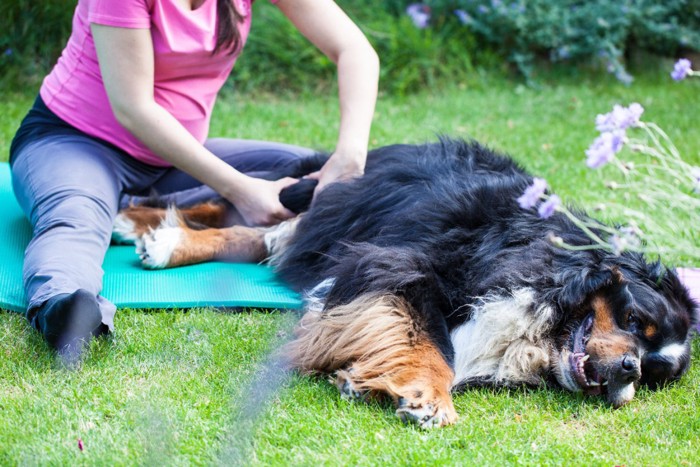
425	276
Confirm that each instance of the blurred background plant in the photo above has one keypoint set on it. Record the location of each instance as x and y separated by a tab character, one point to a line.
606	32
420	44
653	192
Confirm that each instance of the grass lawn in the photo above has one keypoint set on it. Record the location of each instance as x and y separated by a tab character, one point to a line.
190	387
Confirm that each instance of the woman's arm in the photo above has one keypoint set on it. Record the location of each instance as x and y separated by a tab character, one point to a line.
126	64
329	28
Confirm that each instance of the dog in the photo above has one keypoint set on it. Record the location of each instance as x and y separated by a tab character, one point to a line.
425	276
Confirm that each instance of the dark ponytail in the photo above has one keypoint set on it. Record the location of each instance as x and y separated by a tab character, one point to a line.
228	37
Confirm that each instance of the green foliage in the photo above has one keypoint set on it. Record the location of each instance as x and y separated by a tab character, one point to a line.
278	57
32	35
521	32
572	30
666	27
413	59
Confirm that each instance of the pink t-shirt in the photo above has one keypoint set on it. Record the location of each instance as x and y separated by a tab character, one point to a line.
187	77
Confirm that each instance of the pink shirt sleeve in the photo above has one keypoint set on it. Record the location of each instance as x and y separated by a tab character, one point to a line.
120	13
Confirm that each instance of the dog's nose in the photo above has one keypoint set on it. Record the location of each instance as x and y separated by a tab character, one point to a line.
630	369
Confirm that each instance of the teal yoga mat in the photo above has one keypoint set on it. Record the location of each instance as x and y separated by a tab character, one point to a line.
127	284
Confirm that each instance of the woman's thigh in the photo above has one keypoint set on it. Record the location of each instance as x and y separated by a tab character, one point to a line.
252	157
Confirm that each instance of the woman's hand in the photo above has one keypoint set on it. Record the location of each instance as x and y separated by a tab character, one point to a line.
340	167
258	201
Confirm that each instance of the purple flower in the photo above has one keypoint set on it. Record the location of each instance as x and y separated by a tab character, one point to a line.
464	17
419	14
604	148
620	118
627	238
483	9
635	111
681	69
533	193
618	244
548	208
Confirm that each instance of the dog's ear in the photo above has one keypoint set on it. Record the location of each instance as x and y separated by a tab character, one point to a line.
671	286
578	285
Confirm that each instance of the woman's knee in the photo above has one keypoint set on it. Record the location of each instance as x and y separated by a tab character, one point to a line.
76	210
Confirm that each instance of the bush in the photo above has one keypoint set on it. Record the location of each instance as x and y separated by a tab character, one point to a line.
32	35
575	30
669	27
278	57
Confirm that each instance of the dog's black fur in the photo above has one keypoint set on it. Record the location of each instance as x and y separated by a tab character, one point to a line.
438	225
425	275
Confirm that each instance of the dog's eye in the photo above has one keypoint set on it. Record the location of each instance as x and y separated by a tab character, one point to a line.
632	322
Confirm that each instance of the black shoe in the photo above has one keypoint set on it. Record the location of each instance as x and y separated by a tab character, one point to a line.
68	321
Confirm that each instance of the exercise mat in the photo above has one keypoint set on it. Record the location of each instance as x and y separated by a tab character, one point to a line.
127	284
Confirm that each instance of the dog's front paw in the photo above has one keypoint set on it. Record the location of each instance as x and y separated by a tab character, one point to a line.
157	248
426	414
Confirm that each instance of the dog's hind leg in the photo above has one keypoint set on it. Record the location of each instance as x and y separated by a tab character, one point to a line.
376	346
174	244
133	222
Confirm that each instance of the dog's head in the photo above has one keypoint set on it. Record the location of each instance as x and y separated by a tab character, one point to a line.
630	325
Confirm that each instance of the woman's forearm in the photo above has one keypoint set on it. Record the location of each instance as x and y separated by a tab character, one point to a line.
334	33
358	73
256	200
166	137
127	63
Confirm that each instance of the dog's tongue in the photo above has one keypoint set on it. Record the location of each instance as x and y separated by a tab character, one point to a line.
580	333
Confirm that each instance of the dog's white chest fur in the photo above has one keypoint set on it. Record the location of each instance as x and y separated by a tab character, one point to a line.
503	343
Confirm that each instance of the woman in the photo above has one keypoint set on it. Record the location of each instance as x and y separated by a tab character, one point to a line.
126	110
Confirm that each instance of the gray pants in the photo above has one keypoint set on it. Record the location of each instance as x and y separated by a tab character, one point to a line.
71	187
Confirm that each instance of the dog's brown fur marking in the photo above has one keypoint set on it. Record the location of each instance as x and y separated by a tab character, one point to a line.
604	321
608	343
146	218
206	214
375	343
236	244
650	331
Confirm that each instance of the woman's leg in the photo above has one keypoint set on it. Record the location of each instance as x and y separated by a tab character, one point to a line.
259	159
69	187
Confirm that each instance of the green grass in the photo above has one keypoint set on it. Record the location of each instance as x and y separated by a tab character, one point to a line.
186	388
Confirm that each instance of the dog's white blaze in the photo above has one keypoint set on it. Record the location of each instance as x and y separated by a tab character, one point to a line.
504	341
158	246
672	351
123	230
